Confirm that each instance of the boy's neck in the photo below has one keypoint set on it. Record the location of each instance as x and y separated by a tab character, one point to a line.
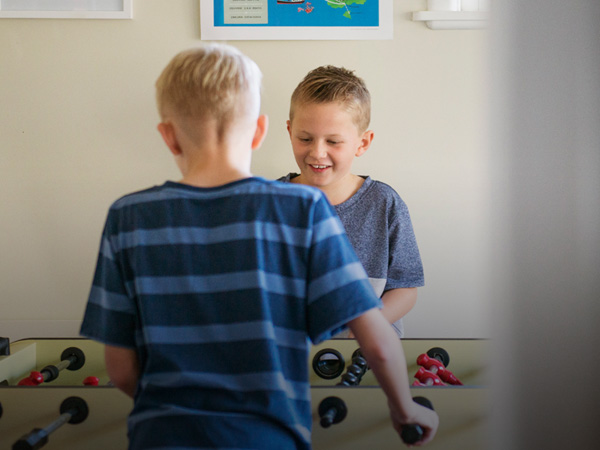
213	173
211	162
340	191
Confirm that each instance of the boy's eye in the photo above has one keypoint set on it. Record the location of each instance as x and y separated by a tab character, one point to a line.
304	139
333	142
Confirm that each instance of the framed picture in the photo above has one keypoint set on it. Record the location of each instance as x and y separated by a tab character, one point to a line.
66	9
296	19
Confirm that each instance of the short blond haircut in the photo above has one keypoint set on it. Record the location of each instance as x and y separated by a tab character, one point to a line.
330	84
212	82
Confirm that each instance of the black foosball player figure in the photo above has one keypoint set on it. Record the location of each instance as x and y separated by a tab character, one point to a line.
355	371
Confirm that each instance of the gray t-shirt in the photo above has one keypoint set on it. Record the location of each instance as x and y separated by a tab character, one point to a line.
378	225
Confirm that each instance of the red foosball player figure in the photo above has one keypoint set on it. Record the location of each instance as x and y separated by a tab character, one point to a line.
34	379
438	369
91	381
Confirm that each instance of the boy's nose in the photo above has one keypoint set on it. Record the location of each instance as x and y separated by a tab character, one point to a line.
318	150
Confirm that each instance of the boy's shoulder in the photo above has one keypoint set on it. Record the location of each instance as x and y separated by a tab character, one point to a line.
255	185
375	188
381	186
373	197
139	196
280	186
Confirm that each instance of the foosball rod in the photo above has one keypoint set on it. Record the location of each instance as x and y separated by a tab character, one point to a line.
73	410
71	358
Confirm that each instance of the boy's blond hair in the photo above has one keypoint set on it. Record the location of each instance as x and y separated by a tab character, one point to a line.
327	84
212	82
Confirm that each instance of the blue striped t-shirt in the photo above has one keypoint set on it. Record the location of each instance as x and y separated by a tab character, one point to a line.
219	290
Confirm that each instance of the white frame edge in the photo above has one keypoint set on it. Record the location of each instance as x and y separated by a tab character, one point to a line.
125	13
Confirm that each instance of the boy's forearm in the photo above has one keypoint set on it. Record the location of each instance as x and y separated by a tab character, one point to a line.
384	353
398	302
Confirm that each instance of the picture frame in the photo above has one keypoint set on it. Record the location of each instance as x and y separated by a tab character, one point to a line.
260	20
66	9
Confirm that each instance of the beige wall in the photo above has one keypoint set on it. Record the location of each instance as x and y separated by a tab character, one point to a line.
77	130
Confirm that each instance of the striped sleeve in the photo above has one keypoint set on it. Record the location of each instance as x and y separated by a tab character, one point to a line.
110	315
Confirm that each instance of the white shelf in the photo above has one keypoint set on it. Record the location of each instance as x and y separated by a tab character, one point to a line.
453	20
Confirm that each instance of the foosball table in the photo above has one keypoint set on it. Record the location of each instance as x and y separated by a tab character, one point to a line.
56	394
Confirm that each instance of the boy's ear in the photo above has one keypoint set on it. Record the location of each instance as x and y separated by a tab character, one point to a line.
365	142
289	127
167	131
262	126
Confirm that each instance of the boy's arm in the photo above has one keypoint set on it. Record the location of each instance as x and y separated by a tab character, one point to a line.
398	302
123	368
384	353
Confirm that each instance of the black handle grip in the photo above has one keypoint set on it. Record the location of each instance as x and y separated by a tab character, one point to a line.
35	439
332	410
412	434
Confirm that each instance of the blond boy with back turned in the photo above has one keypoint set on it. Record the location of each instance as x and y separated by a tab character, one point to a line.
208	289
328	126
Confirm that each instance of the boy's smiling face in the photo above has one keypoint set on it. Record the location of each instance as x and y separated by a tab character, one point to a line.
325	141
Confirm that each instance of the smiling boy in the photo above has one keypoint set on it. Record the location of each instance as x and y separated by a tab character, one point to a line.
328	126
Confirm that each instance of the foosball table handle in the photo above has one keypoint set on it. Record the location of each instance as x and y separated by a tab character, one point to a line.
411	434
332	410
